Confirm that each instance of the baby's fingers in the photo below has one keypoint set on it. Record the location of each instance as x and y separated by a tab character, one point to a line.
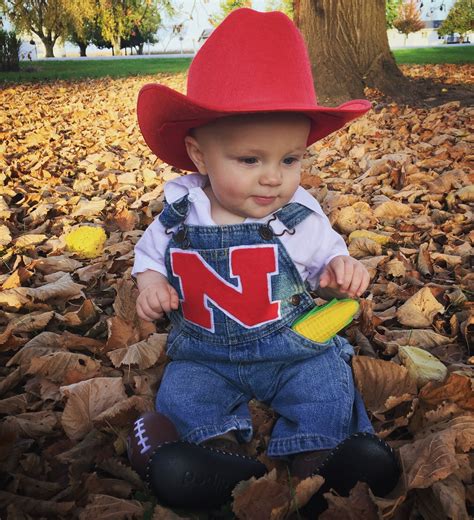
145	312
364	283
338	267
168	299
174	298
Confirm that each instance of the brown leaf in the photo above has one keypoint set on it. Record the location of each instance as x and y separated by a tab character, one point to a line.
420	309
125	220
107	486
43	343
64	367
53	264
86	401
105	507
391	211
266	497
360	247
145	354
124	304
123	413
162	513
87	314
62	289
35	506
15	404
424	263
446	499
11	380
379	380
359	505
357	216
34	424
118	469
433	457
456	389
122	333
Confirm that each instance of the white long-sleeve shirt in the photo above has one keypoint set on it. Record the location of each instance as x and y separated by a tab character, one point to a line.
311	248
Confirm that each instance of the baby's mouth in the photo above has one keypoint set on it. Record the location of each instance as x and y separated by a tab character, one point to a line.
264	201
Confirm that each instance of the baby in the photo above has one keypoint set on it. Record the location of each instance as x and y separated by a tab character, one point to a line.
230	260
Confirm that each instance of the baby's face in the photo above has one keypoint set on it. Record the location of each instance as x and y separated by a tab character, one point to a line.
253	163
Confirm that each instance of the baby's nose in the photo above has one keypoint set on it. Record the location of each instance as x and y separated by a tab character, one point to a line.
271	177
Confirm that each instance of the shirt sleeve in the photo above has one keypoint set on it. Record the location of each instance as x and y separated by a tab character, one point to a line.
323	245
150	250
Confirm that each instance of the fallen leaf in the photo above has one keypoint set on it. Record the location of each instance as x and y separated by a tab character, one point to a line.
379	380
422	366
420	309
145	354
86	400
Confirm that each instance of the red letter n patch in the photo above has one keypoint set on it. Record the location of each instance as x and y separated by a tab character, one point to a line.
248	303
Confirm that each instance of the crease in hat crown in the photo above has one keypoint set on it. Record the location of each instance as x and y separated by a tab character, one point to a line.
252	62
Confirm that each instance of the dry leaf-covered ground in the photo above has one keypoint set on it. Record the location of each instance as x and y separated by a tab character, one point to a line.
77	366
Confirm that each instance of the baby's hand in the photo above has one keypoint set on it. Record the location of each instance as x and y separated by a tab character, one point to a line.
345	274
156	298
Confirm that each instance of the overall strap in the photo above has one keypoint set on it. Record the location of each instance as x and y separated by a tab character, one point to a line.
174	214
292	214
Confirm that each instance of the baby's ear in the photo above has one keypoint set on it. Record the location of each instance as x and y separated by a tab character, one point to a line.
195	153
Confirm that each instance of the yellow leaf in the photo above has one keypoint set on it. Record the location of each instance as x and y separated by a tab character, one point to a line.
364	233
87	241
421	365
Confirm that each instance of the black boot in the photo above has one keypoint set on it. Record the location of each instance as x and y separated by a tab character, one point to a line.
362	457
190	476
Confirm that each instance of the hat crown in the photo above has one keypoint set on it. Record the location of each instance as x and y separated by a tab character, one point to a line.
253	59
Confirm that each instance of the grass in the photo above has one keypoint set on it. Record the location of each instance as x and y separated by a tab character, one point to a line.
76	69
45	70
444	54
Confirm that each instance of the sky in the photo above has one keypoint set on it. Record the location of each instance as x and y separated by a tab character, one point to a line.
199	10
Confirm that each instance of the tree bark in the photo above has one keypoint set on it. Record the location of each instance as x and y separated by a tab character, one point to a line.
116	50
82	49
49	47
348	48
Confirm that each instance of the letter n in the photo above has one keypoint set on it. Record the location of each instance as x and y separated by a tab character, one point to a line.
248	303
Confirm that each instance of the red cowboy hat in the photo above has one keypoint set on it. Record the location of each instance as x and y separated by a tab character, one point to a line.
252	62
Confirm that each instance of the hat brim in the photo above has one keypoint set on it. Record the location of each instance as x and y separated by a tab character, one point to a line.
165	117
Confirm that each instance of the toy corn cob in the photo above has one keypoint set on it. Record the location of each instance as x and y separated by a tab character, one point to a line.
323	323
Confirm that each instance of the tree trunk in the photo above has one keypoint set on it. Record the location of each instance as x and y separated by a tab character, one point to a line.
116	50
82	49
140	49
348	48
49	47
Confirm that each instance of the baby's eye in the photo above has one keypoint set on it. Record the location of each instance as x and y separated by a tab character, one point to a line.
248	160
290	160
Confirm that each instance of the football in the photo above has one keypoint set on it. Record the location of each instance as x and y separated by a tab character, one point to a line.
149	431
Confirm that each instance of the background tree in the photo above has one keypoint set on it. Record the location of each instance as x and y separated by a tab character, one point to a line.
83	23
226	7
408	19
89	33
48	19
391	11
285	6
9	51
119	19
348	48
145	30
460	19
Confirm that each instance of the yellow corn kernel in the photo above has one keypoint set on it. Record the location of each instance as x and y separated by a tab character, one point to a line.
323	323
376	237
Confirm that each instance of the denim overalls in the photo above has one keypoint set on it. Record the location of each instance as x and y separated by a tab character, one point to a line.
231	340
